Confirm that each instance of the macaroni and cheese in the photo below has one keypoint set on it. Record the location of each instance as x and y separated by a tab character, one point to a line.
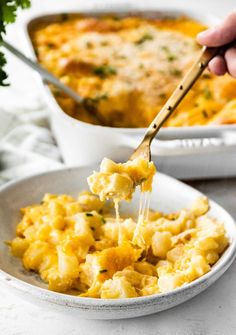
126	68
73	244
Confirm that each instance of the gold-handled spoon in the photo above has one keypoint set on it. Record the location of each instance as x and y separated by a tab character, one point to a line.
177	96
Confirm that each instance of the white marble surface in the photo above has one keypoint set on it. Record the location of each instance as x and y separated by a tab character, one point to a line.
211	313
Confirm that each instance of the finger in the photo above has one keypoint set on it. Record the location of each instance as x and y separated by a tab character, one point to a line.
220	35
218	66
230	57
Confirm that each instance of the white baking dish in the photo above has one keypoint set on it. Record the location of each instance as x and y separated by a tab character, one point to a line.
82	143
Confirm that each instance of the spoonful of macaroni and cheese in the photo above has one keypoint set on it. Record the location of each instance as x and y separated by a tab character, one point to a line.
118	181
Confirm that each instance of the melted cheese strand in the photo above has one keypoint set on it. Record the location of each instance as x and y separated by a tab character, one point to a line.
140	204
146	214
144	204
116	205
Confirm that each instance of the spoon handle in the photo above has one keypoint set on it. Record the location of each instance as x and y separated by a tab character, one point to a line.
185	85
46	75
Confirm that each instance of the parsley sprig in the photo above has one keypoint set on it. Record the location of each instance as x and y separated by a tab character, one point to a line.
104	71
8	9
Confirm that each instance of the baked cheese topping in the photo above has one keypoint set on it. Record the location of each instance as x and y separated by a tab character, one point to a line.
127	68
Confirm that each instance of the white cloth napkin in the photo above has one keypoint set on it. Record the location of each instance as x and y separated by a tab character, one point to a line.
27	145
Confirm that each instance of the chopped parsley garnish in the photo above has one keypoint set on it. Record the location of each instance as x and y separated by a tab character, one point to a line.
88	214
8	10
103	220
89	45
171	58
104	43
57	93
64	17
115	18
207	93
144	38
95	100
165	48
176	72
103	271
50	45
162	96
206	76
104	71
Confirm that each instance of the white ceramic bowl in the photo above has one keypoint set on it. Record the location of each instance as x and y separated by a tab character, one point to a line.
168	195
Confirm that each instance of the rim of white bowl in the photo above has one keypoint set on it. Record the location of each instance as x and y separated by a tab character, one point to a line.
70	301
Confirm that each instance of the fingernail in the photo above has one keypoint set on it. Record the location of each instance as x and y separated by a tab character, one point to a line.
203	34
206	32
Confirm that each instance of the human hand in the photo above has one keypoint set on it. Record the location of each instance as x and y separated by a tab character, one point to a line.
217	36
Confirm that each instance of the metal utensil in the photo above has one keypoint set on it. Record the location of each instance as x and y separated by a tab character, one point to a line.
177	96
46	75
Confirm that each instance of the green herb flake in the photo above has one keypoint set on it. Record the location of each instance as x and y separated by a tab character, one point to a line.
57	93
207	93
165	48
88	214
95	100
64	17
89	45
50	45
144	38
104	43
162	96
104	71
176	72
36	51
171	58
103	270
103	220
206	76
115	18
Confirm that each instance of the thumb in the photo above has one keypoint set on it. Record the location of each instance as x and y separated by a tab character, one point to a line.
220	35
